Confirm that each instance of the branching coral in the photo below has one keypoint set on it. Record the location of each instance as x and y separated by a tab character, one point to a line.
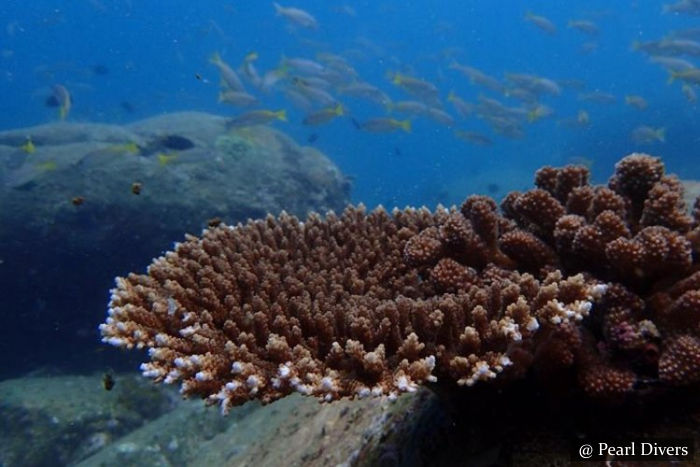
598	282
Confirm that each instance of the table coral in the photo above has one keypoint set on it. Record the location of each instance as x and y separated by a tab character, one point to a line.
568	280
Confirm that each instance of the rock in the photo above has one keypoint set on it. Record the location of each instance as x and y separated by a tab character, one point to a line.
71	222
60	420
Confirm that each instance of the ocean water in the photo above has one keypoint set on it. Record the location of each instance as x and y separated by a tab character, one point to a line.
153	51
126	60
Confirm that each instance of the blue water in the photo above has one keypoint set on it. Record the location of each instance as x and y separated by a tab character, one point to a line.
153	52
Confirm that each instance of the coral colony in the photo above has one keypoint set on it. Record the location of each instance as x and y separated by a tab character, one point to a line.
598	284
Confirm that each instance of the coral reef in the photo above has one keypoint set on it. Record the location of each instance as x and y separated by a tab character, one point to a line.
597	287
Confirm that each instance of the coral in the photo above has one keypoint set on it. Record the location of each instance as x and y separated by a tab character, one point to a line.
594	284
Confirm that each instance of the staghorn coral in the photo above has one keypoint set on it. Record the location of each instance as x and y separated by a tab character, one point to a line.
598	283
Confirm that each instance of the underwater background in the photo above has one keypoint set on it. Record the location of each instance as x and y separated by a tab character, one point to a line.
540	83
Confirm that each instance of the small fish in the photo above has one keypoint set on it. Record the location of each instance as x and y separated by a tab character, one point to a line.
257	117
100	70
463	108
582	117
63	99
229	78
598	97
46	166
296	16
127	106
689	93
385	125
302	66
691	76
324	115
645	135
175	142
541	22
136	188
539	112
535	84
690	7
584	26
28	146
165	158
312	138
439	116
473	137
214	222
478	77
420	88
108	381
126	148
77	200
638	102
671	63
237	99
249	71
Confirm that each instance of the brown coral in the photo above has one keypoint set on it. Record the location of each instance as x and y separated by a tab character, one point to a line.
598	280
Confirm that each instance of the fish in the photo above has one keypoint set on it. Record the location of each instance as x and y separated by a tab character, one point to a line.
541	22
136	188
214	222
644	134
690	7
463	108
477	77
312	138
302	66
581	120
108	381
689	93
638	102
127	106
535	84
249	71
419	88
598	97
99	69
296	16
257	117
690	76
174	142
671	63
229	78
473	137
582	117
385	125
165	158
63	99
366	91
324	115
539	112
588	47
28	146
584	26
124	148
237	99
439	116
77	200
312	93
